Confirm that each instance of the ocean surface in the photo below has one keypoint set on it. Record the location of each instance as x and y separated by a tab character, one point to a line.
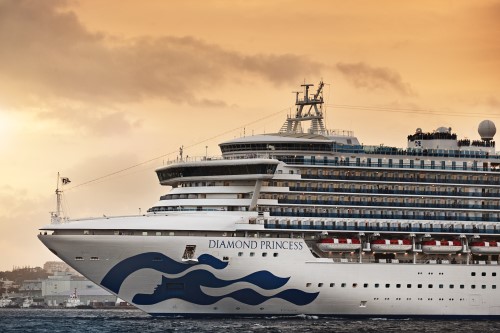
104	321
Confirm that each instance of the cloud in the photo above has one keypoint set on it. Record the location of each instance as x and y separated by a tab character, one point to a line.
47	53
367	77
493	102
96	123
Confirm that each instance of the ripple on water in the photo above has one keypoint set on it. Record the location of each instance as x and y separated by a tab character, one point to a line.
104	321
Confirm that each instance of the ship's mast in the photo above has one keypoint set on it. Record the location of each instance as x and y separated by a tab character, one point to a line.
314	112
57	216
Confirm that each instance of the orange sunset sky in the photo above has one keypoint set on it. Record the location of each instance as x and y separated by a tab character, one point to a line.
89	88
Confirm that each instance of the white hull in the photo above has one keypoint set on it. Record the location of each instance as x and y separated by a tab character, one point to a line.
432	249
327	247
485	250
390	248
331	288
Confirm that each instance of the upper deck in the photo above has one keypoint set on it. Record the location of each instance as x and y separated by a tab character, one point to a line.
318	141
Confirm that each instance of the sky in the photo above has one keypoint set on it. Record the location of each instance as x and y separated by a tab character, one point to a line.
104	92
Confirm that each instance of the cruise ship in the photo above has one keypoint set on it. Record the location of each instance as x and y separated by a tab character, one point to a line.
307	221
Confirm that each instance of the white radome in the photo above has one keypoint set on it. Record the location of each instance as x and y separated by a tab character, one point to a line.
487	129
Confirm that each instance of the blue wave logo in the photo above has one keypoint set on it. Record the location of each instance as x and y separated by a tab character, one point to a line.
189	286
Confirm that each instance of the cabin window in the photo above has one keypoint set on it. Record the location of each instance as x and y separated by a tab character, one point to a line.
473	274
320	285
494	286
79	258
494	274
332	285
473	286
365	285
240	254
308	284
419	285
94	258
343	285
483	274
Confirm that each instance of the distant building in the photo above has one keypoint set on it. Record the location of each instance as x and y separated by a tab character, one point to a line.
31	288
57	288
7	284
51	267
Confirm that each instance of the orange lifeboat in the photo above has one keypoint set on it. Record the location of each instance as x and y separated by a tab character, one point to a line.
482	247
434	246
391	245
339	244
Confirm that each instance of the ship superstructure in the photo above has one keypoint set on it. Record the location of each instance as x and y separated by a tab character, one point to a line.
308	220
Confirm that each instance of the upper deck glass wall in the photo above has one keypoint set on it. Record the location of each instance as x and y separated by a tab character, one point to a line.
215	170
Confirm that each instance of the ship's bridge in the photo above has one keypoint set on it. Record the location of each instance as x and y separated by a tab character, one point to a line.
226	169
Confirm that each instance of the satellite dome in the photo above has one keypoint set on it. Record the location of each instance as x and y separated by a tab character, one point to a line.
443	130
487	130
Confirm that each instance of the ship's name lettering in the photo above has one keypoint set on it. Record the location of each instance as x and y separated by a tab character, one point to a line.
253	244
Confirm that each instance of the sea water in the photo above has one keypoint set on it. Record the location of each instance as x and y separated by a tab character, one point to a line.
104	321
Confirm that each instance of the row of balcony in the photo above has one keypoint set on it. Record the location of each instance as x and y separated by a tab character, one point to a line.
401	178
385	204
392	191
430	229
387	216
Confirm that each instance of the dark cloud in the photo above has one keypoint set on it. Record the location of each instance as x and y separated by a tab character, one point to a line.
97	123
48	53
367	77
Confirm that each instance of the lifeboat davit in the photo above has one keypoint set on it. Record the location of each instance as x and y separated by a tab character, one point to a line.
482	247
339	244
434	246
391	245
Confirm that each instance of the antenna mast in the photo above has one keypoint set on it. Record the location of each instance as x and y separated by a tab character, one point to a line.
57	216
313	113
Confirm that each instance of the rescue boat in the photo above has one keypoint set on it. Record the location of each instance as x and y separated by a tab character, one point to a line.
482	247
391	245
434	246
339	244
